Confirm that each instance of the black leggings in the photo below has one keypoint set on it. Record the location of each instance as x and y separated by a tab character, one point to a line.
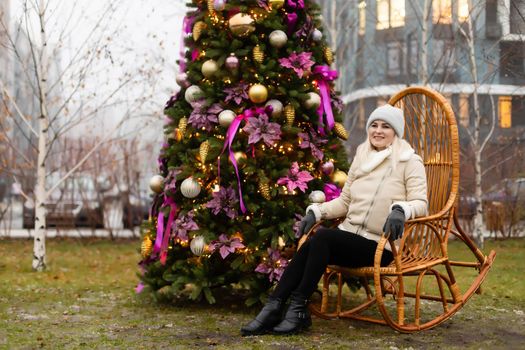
326	247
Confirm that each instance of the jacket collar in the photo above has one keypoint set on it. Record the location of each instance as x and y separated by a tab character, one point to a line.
377	158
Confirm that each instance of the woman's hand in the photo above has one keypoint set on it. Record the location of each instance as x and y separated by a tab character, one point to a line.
306	223
395	222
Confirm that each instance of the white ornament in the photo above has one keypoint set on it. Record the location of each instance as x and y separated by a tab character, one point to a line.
193	94
182	80
277	108
313	101
226	117
190	188
198	245
156	183
278	38
209	68
317	197
219	5
317	35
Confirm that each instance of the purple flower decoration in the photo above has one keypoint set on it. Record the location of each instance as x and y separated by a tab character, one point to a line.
261	129
171	180
337	103
226	245
300	63
171	102
297	223
263	4
296	179
237	93
273	265
183	225
306	30
204	117
312	141
331	191
224	200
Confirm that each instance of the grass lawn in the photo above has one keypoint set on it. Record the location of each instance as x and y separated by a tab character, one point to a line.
86	299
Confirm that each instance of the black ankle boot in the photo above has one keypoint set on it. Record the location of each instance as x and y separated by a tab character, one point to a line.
297	317
268	317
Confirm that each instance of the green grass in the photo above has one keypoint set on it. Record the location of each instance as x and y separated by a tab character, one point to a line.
86	300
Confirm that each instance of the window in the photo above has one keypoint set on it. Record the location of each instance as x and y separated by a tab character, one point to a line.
512	59
505	111
511	16
442	11
390	14
463	10
393	59
362	17
464	116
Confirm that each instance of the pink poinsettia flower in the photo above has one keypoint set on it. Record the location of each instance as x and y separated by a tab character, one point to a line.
331	191
296	179
300	63
261	129
273	266
226	245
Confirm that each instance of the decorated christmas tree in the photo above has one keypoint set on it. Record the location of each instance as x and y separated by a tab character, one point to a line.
252	137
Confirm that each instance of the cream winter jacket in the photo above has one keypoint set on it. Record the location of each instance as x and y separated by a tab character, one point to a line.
373	186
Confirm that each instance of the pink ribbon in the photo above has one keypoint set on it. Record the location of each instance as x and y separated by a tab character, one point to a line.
230	136
187	23
295	4
331	191
163	236
291	21
323	74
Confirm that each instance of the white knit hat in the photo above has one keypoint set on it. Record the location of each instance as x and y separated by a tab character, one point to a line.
390	114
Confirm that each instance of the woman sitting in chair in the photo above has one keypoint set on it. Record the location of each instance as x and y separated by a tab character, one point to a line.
386	185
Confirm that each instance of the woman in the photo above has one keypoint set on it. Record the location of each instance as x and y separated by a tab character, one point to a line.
386	185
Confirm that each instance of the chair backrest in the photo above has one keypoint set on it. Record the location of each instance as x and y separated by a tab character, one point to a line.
431	129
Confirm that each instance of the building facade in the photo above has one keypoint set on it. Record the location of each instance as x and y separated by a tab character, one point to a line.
385	45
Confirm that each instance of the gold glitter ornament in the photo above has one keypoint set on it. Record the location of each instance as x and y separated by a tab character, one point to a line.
340	131
156	183
209	68
146	247
264	188
289	113
258	54
328	55
198	28
203	151
183	124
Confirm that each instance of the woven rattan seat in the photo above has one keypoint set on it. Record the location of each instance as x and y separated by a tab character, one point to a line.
421	257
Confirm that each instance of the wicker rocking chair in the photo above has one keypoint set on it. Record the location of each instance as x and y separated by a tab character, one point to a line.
417	302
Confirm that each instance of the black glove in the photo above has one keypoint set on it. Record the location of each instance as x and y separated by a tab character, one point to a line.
306	223
395	222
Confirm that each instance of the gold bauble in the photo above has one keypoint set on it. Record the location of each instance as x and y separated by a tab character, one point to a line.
203	151
339	178
209	68
340	131
289	113
276	4
156	183
241	24
240	158
146	247
258	93
264	189
258	54
198	28
183	124
328	55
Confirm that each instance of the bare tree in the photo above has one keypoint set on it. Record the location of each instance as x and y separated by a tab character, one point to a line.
71	97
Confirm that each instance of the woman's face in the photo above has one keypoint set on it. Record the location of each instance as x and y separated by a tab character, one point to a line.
380	134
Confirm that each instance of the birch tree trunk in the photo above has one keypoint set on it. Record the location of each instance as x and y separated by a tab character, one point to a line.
424	39
39	245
